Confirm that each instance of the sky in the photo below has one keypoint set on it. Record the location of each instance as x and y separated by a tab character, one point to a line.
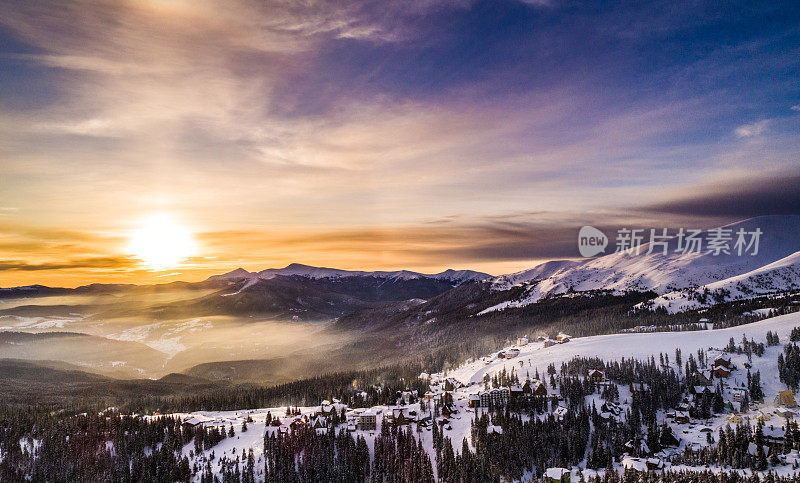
423	134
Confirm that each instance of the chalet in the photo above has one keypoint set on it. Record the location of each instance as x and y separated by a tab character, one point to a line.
721	372
448	410
654	464
550	343
701	379
196	420
319	422
668	438
721	361
774	436
474	400
609	410
444	398
298	423
563	338
501	355
516	392
698	390
451	384
557	475
512	353
368	420
785	399
535	387
596	375
522	341
498	396
402	416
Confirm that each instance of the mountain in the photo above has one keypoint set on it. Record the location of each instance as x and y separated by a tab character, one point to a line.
673	271
307	271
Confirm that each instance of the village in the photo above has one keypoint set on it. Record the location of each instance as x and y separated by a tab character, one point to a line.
455	399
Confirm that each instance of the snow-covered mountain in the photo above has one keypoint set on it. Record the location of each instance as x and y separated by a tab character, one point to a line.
774	267
297	269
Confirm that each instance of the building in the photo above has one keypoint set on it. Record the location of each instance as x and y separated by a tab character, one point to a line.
557	475
522	341
368	420
723	362
535	387
721	372
451	384
512	353
562	338
596	375
550	343
498	396
786	399
560	413
701	379
474	400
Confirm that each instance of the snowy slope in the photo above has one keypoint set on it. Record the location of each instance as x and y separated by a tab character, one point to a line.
656	271
777	277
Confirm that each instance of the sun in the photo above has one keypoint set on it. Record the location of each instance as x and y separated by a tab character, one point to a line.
161	243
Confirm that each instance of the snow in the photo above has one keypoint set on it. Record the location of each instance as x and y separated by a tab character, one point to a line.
776	261
532	356
459	276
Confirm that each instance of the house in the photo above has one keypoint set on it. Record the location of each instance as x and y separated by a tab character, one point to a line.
368	420
699	390
498	396
196	420
522	341
535	387
516	392
430	395
563	338
721	372
550	343
700	379
319	422
785	399
596	375
474	400
541	338
448	410
402	416
774	435
424	376
721	361
557	475
560	412
298	423
501	355
451	384
654	464
681	417
512	353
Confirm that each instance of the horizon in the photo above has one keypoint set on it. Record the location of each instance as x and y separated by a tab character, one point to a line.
155	141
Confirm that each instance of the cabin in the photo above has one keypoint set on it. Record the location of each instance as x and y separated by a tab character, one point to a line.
448	410
474	401
557	475
721	372
512	353
785	399
701	379
402	416
451	384
535	387
516	392
522	341
596	375
298	423
368	420
681	417
550	343
721	361
563	338
773	435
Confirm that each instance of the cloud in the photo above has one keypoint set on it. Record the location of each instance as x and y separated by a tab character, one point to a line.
753	129
84	263
740	197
